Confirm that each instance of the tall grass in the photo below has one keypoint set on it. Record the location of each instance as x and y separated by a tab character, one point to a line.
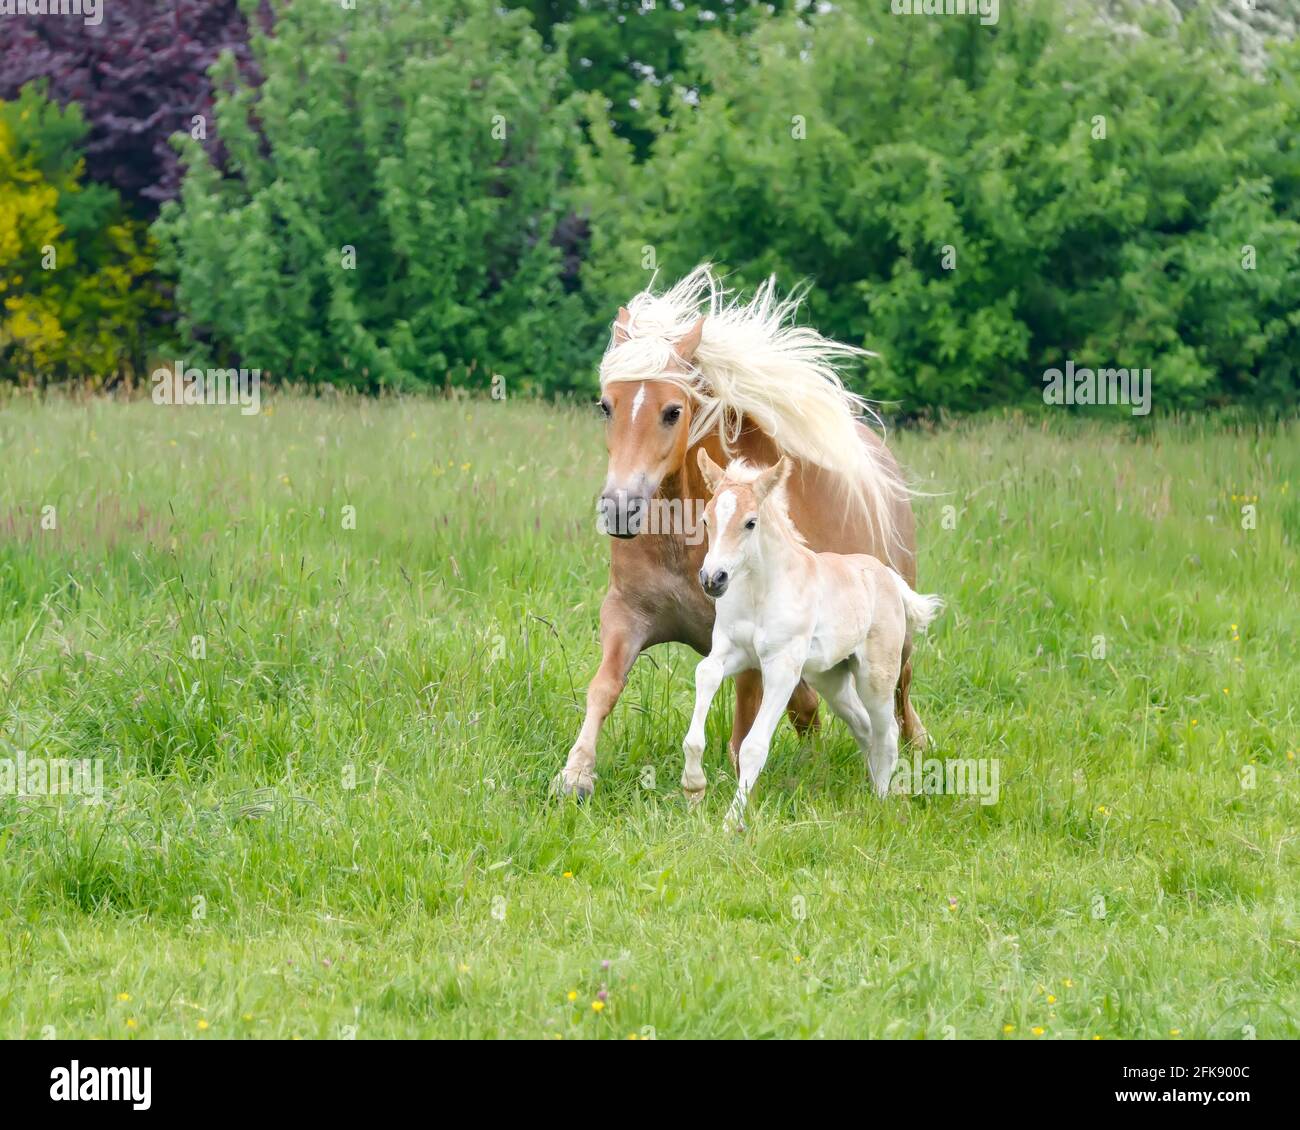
326	748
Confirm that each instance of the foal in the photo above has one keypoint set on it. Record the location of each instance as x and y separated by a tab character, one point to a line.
837	620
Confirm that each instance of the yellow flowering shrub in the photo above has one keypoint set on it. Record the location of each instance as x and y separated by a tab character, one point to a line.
76	292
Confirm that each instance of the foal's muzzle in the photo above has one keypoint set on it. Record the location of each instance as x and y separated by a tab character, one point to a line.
714	584
622	515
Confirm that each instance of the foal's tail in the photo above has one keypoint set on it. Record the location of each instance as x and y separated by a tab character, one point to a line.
919	610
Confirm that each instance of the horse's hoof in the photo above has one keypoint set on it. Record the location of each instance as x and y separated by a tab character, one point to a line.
693	796
578	785
919	741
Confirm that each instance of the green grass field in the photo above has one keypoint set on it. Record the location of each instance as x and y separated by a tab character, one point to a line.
329	816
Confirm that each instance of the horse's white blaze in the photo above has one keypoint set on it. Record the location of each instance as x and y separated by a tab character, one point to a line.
638	400
840	621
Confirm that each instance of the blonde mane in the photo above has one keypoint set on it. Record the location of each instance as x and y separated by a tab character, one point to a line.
754	361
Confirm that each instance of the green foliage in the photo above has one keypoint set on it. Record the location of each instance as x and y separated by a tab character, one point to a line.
76	296
431	145
864	149
637	54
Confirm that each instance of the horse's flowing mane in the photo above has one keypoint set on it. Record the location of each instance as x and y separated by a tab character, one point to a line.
754	361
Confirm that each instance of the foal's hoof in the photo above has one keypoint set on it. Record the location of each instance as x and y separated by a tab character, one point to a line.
580	785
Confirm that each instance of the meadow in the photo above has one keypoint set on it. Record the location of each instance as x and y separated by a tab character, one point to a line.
330	657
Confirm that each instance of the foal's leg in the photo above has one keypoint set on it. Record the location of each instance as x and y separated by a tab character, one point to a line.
876	682
621	637
780	677
840	691
722	661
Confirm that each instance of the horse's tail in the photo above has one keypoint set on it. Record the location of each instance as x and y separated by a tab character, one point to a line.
920	610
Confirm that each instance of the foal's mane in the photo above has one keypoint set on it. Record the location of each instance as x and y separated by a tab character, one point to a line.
777	503
754	361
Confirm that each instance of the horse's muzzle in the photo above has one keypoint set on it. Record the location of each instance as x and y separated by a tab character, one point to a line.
622	516
714	584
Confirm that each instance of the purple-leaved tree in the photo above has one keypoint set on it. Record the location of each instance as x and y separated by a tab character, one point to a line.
140	76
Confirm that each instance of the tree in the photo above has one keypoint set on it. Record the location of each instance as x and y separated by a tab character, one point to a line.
387	215
981	203
75	271
139	76
637	53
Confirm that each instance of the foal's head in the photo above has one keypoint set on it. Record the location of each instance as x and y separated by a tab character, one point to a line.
647	425
735	513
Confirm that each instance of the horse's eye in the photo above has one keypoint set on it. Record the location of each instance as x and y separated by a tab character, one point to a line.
751	523
672	413
605	409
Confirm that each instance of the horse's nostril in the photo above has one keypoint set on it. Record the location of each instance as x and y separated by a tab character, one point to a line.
720	578
620	515
704	578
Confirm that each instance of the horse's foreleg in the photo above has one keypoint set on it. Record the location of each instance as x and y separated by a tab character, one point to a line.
621	638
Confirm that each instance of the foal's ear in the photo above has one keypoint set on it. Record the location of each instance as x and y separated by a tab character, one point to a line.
686	345
621	333
709	469
772	478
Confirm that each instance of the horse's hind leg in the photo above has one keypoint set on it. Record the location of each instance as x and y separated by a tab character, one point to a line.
913	732
749	693
801	710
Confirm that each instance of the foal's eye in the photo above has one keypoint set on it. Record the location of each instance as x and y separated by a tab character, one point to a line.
751	523
605	409
672	413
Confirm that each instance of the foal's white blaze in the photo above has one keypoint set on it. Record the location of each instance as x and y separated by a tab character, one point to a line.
722	514
726	508
638	400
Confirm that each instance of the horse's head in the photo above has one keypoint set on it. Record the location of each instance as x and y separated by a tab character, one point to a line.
734	514
647	425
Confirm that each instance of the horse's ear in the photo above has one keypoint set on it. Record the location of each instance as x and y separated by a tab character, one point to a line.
686	346
710	470
772	478
621	333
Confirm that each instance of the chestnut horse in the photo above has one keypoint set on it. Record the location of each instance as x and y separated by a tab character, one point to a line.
737	380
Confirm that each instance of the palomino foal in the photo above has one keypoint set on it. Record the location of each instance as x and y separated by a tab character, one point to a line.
837	620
